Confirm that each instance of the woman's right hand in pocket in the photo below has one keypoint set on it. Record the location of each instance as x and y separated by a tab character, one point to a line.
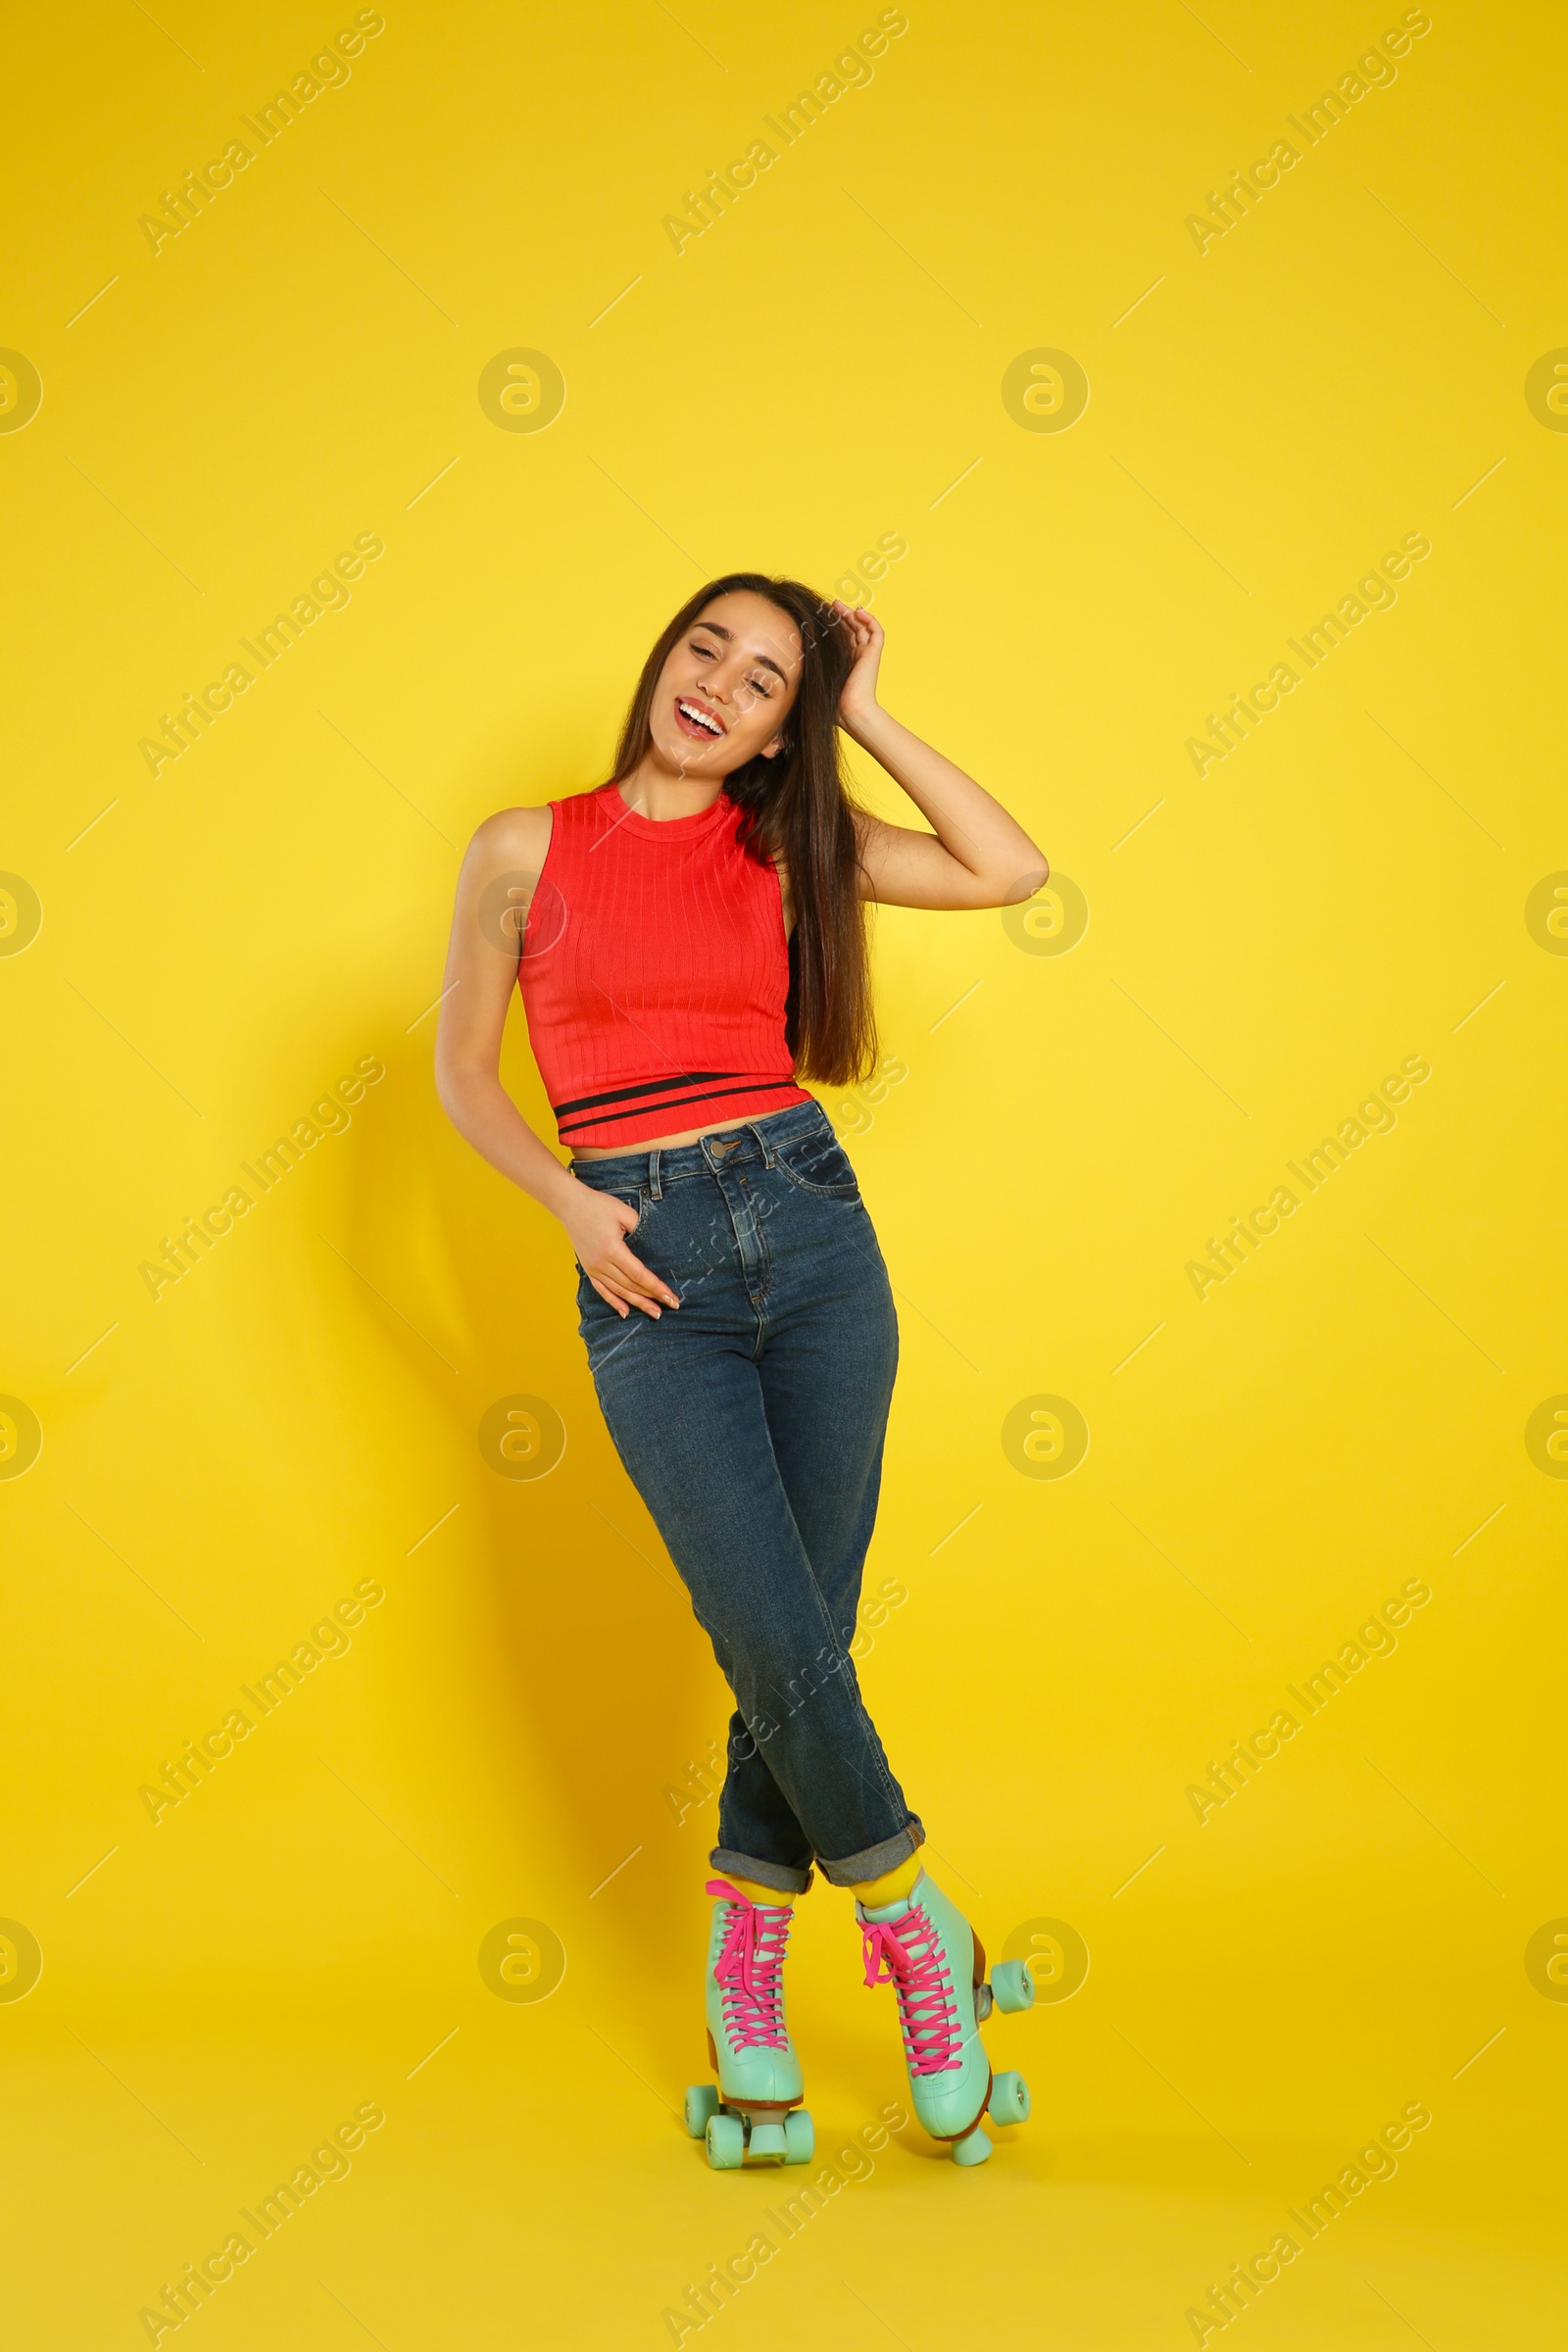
597	1224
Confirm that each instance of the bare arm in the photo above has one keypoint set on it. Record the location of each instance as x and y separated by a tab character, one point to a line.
494	891
975	855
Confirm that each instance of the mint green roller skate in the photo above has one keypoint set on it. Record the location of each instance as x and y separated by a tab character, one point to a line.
756	2109
935	1962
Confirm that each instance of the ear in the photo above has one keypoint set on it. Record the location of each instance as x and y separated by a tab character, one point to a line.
772	751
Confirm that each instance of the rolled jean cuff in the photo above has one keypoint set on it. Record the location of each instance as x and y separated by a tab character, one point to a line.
876	1860
761	1874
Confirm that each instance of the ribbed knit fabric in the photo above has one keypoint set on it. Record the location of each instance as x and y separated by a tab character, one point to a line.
653	973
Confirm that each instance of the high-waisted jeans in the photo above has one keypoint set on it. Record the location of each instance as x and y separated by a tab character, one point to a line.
750	1419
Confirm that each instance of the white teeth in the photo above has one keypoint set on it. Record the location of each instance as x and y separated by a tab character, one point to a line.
697	717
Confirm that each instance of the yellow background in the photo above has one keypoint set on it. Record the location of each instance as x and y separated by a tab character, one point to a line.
295	1416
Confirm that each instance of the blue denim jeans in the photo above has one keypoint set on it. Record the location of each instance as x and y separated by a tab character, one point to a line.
751	1420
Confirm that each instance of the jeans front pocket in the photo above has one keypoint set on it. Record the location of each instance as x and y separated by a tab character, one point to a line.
638	1201
629	1199
817	1163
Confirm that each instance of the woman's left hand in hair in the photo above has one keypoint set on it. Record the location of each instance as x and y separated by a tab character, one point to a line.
858	700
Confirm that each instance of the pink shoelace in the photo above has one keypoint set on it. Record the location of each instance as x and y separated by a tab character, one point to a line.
907	1953
749	1970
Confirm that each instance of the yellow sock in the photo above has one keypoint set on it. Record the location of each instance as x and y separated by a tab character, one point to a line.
890	1886
754	1893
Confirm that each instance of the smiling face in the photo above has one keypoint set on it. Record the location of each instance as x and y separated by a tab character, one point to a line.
726	688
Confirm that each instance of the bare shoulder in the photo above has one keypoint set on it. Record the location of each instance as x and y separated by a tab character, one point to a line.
514	838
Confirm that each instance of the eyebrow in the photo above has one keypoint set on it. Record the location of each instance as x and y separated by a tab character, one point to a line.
719	630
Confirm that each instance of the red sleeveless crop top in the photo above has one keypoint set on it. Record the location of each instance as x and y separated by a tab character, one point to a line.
655	973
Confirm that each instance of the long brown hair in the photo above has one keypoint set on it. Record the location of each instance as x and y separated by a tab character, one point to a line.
795	806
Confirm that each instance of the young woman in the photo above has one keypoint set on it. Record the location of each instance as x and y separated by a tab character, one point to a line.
689	938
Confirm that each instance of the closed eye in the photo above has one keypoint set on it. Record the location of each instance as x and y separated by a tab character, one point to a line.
759	686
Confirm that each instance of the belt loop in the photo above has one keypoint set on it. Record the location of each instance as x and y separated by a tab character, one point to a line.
770	1155
654	1190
